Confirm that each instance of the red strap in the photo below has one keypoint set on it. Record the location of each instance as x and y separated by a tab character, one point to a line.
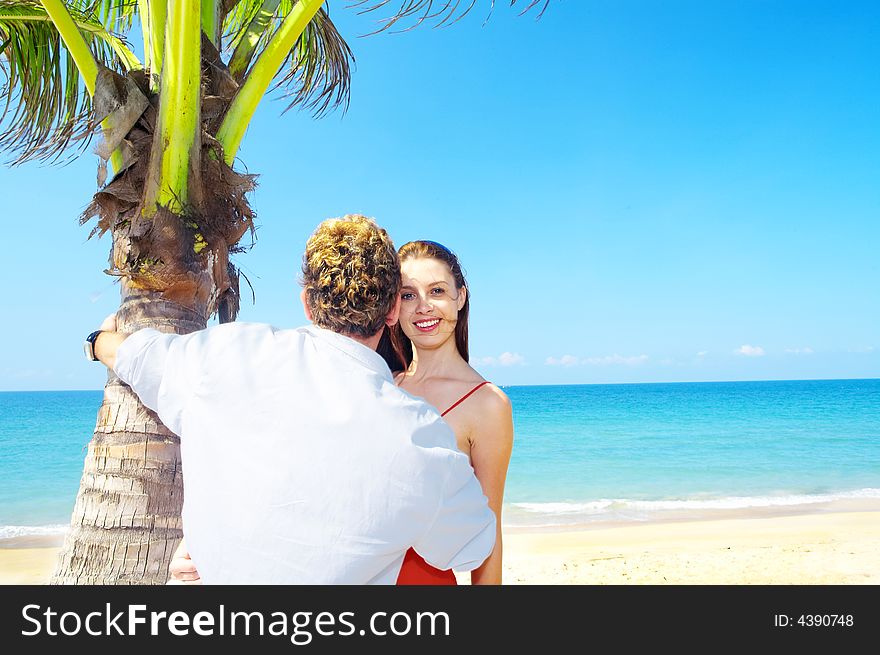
464	397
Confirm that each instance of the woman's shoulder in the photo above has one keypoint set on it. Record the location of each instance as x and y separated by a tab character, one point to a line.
487	394
489	402
493	398
490	419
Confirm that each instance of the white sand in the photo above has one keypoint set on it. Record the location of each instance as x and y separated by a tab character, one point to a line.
822	548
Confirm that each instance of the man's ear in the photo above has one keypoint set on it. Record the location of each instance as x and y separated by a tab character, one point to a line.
302	297
462	296
394	315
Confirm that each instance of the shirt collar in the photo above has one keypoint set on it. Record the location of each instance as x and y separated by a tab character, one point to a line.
366	356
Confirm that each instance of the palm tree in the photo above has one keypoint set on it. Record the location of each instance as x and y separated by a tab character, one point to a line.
171	123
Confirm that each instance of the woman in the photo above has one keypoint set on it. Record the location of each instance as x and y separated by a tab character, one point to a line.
428	352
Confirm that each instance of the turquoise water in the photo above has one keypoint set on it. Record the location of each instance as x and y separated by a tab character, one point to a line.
43	439
627	451
581	452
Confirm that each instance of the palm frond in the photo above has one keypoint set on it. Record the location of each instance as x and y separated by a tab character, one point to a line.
237	19
47	107
444	12
244	40
317	72
227	6
116	15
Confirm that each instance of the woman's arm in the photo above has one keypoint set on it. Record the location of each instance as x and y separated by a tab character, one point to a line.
491	444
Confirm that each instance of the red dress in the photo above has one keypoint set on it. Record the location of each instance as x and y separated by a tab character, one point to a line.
415	570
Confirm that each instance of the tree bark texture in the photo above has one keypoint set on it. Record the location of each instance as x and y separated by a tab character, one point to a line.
126	522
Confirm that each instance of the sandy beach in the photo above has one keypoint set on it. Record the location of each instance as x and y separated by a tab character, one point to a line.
838	548
817	548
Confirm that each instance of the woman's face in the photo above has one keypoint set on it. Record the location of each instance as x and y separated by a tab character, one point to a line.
429	301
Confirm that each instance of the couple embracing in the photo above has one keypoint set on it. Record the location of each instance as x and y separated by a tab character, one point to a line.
361	449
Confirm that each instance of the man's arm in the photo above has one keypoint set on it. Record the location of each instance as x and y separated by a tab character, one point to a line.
159	367
462	534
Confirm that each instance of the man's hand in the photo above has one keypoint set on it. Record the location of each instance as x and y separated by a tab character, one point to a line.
109	324
182	569
108	342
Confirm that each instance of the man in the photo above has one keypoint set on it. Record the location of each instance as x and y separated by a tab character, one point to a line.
302	461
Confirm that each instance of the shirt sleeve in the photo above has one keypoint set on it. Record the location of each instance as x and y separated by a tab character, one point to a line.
462	534
162	370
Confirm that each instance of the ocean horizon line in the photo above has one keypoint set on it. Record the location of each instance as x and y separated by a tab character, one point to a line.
555	384
620	384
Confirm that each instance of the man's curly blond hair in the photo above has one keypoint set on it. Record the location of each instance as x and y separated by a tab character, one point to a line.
351	275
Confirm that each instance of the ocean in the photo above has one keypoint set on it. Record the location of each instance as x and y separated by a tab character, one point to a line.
582	453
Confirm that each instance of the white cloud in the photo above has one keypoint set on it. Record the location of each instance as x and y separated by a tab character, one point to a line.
750	351
634	360
702	353
608	360
565	360
800	351
504	359
511	359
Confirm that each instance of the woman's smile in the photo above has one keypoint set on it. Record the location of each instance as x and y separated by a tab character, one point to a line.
427	325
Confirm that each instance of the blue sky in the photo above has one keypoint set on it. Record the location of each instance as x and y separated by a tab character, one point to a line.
639	191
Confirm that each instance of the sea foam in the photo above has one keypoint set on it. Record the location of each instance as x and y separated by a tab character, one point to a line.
14	531
630	509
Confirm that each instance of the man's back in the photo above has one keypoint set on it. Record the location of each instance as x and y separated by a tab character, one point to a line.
303	463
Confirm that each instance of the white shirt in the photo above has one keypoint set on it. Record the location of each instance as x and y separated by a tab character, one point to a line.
303	463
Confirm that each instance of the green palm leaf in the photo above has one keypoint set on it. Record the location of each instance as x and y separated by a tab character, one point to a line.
246	29
115	15
317	72
47	106
237	19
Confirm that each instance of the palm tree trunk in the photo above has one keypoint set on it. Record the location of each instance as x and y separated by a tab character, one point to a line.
174	272
126	522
